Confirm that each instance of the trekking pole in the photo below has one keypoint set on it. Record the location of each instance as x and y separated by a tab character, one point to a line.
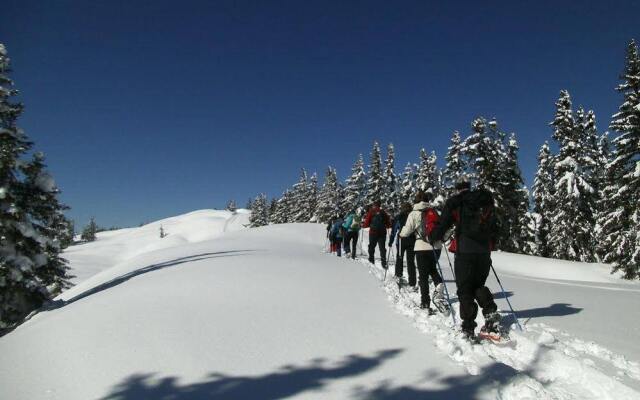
446	291
506	298
448	259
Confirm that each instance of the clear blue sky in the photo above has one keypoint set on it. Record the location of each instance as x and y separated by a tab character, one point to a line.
147	109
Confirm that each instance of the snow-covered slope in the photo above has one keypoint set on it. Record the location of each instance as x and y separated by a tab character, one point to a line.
264	313
113	247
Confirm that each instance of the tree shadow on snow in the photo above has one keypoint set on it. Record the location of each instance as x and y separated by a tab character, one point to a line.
554	310
294	380
285	382
150	268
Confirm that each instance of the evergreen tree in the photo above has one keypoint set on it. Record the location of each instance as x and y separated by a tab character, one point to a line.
455	167
544	197
329	197
31	270
259	213
231	206
249	204
89	232
375	183
282	212
408	187
390	195
354	191
518	235
273	210
620	226
312	196
301	206
479	151
571	226
39	199
422	177
606	192
486	160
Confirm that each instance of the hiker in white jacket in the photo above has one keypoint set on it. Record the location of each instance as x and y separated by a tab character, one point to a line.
426	254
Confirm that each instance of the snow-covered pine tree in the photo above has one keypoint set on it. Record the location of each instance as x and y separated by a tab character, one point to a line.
329	197
485	157
390	195
434	177
312	195
606	192
25	276
375	183
455	166
482	156
620	226
90	231
422	173
544	197
39	199
301	200
587	159
231	206
408	186
259	213
355	187
282	213
518	235
273	209
571	227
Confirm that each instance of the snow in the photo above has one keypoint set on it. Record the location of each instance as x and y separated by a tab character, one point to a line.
217	311
46	183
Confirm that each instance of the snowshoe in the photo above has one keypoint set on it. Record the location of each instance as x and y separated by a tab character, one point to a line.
439	302
491	329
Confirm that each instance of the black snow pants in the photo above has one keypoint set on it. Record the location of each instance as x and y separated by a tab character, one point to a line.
380	241
427	268
472	271
406	247
350	242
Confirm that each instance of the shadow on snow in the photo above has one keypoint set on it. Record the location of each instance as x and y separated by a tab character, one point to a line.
150	268
291	380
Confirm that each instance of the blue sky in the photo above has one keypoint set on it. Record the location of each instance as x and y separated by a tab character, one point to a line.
147	109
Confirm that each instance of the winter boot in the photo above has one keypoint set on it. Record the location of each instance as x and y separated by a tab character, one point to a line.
470	335
491	323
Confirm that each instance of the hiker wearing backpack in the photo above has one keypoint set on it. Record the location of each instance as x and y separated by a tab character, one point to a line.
420	222
473	214
329	226
404	245
337	234
352	223
378	221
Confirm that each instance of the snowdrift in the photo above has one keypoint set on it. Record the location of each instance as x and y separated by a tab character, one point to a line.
222	312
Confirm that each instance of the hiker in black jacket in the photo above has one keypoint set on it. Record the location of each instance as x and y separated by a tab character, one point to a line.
473	214
404	245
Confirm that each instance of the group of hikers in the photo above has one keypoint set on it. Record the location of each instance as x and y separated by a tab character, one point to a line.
467	221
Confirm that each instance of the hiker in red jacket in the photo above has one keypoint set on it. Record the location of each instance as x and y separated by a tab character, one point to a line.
378	221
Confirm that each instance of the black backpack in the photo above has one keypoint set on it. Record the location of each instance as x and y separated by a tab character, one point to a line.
377	222
477	216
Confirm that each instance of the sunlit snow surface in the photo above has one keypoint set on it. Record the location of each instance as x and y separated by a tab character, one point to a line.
216	311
